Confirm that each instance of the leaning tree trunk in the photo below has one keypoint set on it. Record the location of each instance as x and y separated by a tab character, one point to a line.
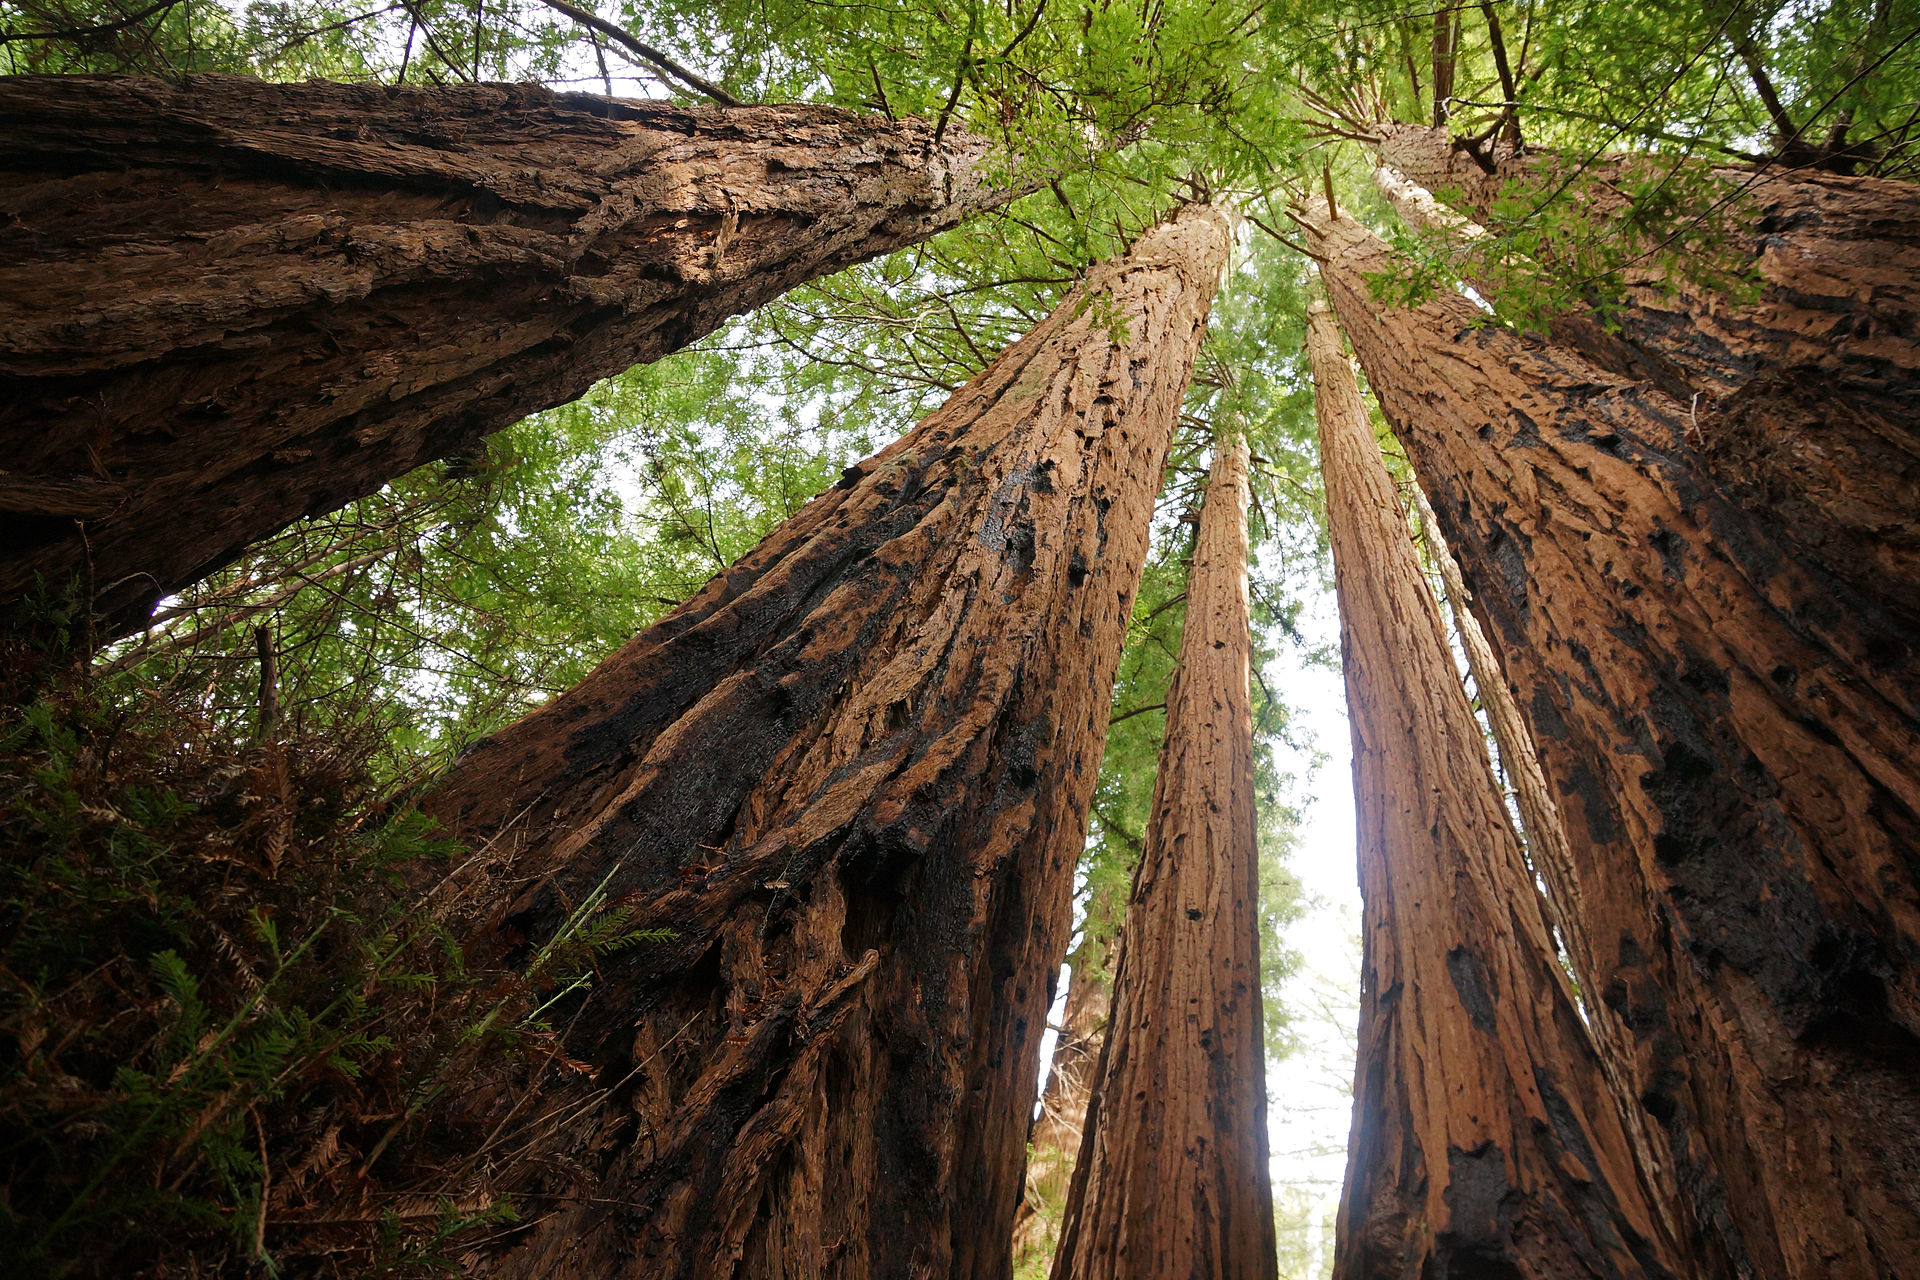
1485	1140
852	775
1734	746
226	304
1054	1141
1805	402
1172	1177
1550	857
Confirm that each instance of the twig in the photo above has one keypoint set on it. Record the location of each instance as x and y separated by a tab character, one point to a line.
645	51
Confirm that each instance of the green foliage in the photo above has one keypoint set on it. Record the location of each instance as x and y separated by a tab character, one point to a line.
225	1000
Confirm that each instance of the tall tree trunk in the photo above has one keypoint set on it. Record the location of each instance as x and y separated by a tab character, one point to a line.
1054	1142
225	304
853	776
1733	743
1805	402
1172	1179
1550	857
1485	1140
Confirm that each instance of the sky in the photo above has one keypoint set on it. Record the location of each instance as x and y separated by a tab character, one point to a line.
1309	1092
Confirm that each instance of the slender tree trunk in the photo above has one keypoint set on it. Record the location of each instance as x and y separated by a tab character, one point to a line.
1803	402
1550	857
1172	1180
852	775
1485	1141
1054	1142
225	304
1733	743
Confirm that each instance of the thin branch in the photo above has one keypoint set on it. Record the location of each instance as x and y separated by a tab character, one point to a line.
1510	114
104	29
644	51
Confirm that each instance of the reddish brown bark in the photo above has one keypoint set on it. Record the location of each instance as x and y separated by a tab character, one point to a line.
1172	1178
226	304
1485	1141
1733	744
1803	403
853	775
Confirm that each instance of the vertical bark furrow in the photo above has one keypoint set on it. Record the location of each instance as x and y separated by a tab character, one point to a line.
853	777
1802	402
1172	1177
1485	1140
1733	740
225	304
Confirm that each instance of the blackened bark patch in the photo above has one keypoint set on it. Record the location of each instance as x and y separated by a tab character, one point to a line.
1474	986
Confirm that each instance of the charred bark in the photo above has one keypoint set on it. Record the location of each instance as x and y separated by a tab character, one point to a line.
853	776
226	304
1172	1178
1732	740
1485	1141
1803	402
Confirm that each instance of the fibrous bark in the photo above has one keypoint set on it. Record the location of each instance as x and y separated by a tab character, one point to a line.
1485	1141
1732	740
226	304
853	776
1803	402
1172	1176
1550	856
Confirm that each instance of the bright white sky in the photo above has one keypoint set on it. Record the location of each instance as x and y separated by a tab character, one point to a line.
1309	1094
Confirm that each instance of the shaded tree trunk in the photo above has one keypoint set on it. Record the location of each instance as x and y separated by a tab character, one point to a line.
226	304
1485	1141
1054	1142
853	776
1803	402
1733	744
1172	1178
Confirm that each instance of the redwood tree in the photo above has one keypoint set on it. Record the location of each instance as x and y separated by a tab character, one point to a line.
225	304
852	776
1172	1177
1803	402
1485	1140
1733	743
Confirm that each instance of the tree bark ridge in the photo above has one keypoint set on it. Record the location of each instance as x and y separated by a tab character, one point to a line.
852	775
225	304
1732	740
1485	1141
1172	1177
1803	402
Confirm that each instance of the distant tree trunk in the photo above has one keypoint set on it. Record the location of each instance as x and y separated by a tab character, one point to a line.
1055	1139
226	304
1804	403
1733	743
1172	1178
1485	1140
853	776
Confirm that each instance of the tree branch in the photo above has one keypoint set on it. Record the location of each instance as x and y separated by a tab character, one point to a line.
104	29
644	51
